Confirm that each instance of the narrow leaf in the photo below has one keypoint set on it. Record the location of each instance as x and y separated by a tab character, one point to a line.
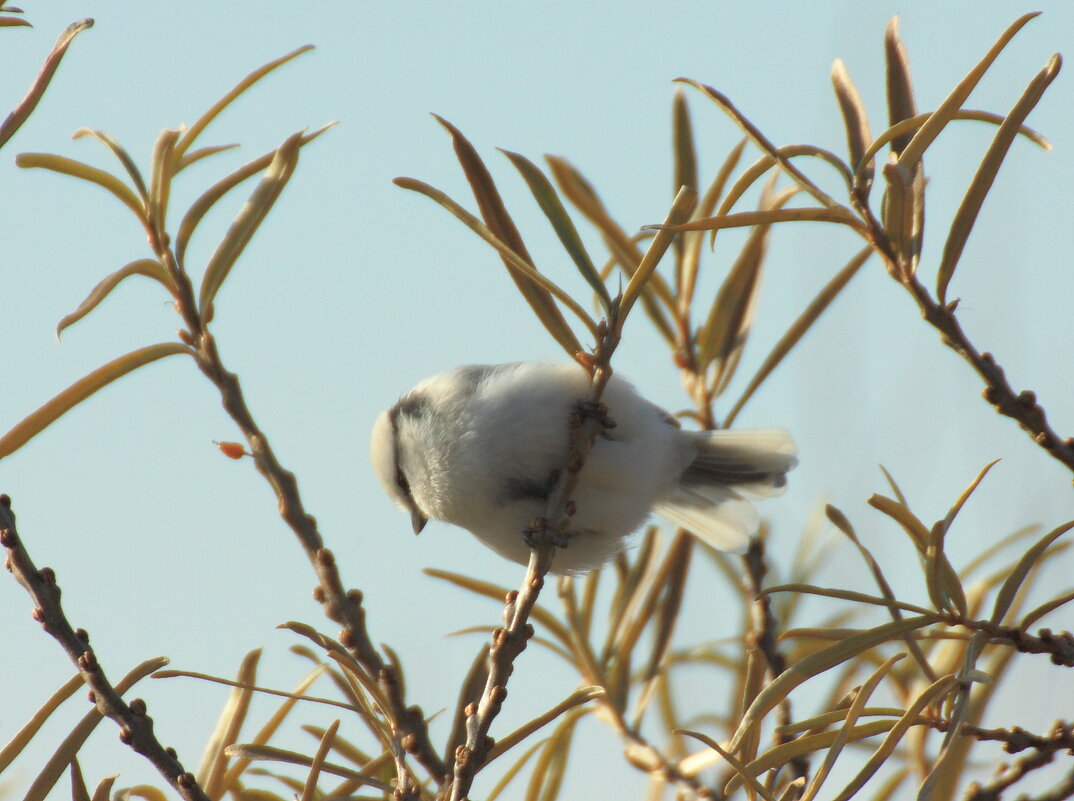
79	791
270	754
1029	559
73	742
780	755
986	173
150	268
1040	611
214	761
624	248
857	707
683	144
692	251
17	743
798	329
769	216
194	131
26	106
160	187
740	770
754	133
928	132
900	85
820	661
82	389
199	154
545	195
522	271
685	154
235	770
103	790
580	696
121	155
209	198
514	770
499	222
855	121
912	124
841	522
309	792
724	333
936	690
247	221
845	595
766	162
497	593
917	531
680	209
78	169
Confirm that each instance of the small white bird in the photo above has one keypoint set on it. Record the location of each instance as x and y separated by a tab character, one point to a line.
480	446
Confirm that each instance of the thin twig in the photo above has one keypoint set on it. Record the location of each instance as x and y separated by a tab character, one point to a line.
508	642
135	726
1020	406
1059	646
410	733
1007	775
765	636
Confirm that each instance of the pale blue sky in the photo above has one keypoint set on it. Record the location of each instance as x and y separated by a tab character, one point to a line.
355	289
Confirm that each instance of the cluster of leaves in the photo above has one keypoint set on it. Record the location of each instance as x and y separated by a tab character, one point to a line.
628	655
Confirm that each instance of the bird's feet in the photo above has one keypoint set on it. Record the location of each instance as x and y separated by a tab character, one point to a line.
593	410
540	532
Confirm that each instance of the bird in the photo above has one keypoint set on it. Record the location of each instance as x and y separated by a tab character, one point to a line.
481	447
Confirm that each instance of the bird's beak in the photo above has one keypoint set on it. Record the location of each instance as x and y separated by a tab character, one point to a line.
418	520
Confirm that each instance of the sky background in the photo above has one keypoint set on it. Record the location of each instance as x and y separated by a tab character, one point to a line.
354	290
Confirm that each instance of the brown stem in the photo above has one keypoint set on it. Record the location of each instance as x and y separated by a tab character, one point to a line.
411	735
765	636
1008	775
1019	406
1015	739
1059	646
135	726
508	642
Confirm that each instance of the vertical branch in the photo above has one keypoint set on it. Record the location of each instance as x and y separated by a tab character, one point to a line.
765	636
411	735
135	726
548	533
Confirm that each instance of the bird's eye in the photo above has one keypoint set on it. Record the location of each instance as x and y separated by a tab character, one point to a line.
400	479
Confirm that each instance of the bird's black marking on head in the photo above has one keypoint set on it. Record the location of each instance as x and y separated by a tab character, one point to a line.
413	405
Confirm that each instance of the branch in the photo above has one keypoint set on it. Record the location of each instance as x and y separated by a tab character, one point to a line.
1020	406
410	733
1061	737
549	532
765	635
1059	646
135	726
1006	776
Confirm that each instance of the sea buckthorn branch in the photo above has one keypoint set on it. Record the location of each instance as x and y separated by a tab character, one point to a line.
1019	406
546	535
1059	646
765	636
411	735
135	726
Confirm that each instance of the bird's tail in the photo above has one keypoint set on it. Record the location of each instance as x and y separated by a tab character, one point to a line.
731	467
